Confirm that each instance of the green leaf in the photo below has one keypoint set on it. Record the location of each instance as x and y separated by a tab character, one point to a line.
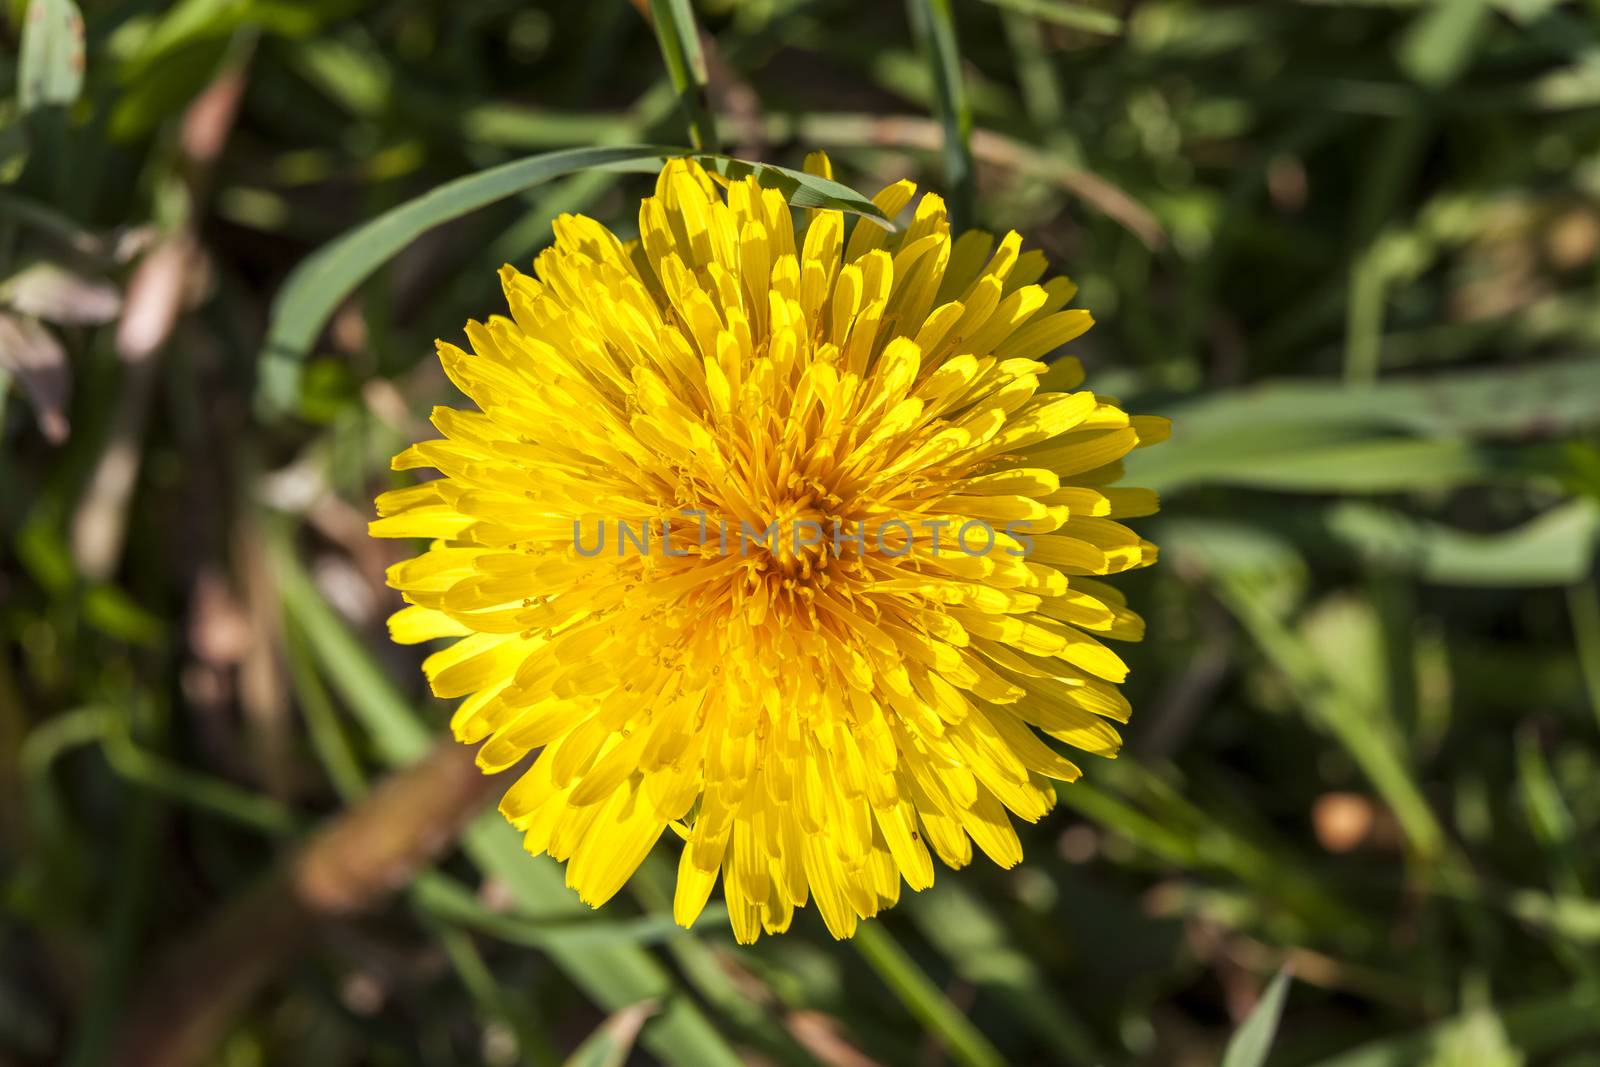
316	288
1065	13
1506	402
1395	435
14	143
1556	548
967	1044
1292	460
799	188
1252	1042
1534	1026
1552	549
934	23
1572	918
1439	43
973	936
51	60
679	38
609	1046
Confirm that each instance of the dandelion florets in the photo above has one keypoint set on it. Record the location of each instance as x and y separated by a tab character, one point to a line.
785	541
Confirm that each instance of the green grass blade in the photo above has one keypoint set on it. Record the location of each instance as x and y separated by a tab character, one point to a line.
934	22
1065	13
326	278
1363	730
1583	605
965	1042
1250	1045
51	58
973	937
1554	548
799	188
679	38
1534	1026
315	289
1399	434
609	1046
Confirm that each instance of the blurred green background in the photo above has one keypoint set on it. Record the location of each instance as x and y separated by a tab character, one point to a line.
1350	247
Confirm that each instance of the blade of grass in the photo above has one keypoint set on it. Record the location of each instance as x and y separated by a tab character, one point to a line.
333	749
445	899
315	289
139	767
933	23
705	970
679	38
982	950
1436	48
50	61
609	1046
1332	706
1253	1041
1065	13
965	1042
534	1045
312	293
1583	604
1533	1026
138	836
1036	72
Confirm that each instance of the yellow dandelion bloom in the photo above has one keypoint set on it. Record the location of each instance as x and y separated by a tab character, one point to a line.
781	539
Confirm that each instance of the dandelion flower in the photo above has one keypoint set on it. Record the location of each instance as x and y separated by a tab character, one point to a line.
819	715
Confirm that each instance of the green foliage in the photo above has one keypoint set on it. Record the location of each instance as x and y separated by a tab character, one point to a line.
51	61
1349	247
1250	1046
323	281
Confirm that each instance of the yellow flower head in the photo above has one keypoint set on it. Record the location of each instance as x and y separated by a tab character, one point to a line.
779	539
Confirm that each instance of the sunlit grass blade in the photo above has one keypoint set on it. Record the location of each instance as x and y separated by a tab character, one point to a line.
973	936
50	63
1253	1041
1399	434
1583	605
1074	16
934	22
609	1046
965	1043
317	287
1533	1026
1362	730
679	37
1554	548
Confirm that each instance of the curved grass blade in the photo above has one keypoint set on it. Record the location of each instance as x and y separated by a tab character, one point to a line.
50	61
609	1046
679	38
1533	1026
1251	1043
799	188
318	285
934	23
1066	13
316	288
965	1043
